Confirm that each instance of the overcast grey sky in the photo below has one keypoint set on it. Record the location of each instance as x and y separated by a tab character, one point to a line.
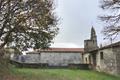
77	18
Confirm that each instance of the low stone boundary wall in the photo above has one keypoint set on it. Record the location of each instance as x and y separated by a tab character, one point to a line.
79	66
28	65
45	65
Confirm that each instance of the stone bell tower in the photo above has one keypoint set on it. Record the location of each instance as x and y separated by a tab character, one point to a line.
93	37
91	44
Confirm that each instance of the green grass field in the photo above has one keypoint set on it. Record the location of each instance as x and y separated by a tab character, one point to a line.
61	74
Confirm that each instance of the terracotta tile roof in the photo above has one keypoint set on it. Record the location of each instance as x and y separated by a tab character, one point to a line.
67	50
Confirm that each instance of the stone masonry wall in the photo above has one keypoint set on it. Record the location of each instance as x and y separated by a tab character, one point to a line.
108	63
61	59
54	59
86	58
117	52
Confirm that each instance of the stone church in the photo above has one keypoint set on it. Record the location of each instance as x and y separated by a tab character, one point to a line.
104	59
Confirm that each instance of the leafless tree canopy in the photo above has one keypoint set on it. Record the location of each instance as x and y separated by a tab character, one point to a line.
27	23
112	19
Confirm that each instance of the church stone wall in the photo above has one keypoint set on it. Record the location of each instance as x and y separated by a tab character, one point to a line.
32	58
54	59
86	58
117	52
87	45
61	59
90	45
108	62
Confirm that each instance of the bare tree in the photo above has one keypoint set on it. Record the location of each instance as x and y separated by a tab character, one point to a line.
111	19
27	23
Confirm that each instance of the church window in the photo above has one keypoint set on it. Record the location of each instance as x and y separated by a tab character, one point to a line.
101	55
89	59
86	60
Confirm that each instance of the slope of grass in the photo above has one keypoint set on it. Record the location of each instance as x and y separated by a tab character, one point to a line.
61	74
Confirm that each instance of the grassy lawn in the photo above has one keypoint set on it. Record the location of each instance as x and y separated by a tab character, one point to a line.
61	74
